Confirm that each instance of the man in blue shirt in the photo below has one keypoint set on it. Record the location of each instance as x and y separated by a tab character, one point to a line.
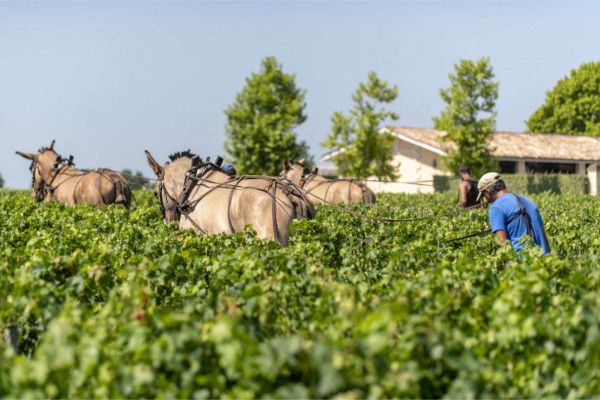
512	216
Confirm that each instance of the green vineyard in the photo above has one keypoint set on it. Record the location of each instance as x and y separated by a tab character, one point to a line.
110	303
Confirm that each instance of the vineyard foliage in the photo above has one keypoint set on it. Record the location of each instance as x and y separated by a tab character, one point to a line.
114	303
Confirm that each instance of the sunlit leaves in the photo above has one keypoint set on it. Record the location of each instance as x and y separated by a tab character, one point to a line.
572	107
116	304
469	117
365	151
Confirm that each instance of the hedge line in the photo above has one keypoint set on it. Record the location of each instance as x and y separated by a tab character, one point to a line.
528	183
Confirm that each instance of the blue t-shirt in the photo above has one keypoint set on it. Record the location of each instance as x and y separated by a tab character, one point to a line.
505	208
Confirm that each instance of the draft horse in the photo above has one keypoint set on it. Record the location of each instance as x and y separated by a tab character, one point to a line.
201	196
56	179
321	189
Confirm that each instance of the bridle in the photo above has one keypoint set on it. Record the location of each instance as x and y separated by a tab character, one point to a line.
57	167
162	189
304	177
40	192
198	172
307	175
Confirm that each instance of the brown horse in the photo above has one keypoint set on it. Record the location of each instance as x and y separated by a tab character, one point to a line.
202	197
318	188
54	178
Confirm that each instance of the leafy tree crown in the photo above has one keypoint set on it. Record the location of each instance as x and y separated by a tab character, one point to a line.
572	107
260	123
366	152
469	117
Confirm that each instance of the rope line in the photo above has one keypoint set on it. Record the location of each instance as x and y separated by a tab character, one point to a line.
360	215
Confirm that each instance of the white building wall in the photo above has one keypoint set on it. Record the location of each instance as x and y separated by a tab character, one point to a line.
415	168
594	177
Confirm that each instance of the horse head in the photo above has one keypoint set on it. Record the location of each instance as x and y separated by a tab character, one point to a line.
294	171
42	164
171	178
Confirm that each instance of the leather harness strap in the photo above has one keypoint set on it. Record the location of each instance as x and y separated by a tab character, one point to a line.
58	171
360	184
230	200
100	186
274	212
75	187
523	212
349	190
183	204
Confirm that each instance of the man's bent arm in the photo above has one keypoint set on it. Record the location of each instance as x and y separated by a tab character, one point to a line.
462	189
502	237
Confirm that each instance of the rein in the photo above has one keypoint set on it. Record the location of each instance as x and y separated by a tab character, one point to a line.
360	215
197	173
308	176
57	167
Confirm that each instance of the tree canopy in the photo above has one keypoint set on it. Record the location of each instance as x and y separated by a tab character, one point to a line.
260	123
573	106
469	117
364	151
1	181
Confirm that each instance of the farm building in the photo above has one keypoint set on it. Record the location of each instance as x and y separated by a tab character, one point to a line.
418	151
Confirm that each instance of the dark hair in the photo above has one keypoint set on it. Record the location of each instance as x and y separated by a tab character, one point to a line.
497	187
181	154
464	169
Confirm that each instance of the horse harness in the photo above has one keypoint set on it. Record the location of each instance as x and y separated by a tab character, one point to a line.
197	174
308	176
62	163
57	167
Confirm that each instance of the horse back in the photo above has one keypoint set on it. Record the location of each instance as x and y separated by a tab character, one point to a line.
94	187
341	191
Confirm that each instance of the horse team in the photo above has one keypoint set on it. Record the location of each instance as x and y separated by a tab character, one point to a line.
199	194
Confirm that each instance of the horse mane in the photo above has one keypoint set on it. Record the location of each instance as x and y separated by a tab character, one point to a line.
44	148
181	154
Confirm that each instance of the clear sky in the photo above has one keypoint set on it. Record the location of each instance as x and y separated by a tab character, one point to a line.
109	80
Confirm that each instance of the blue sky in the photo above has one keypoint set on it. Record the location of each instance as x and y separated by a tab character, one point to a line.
109	80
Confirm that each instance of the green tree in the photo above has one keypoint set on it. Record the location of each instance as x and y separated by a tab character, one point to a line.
1	181
261	121
364	151
469	117
573	106
136	181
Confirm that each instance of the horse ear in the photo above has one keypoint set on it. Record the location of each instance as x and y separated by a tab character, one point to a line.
29	156
156	167
301	161
286	164
51	145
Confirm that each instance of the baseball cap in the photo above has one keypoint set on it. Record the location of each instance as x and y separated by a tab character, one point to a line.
486	181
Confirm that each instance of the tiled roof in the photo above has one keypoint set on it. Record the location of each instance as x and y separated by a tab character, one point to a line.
517	145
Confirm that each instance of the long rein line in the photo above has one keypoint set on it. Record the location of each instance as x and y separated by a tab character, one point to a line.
183	206
360	215
230	184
